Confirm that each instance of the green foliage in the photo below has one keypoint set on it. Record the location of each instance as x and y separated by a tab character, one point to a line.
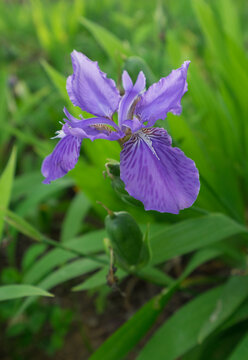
196	254
6	181
8	292
241	351
74	217
111	44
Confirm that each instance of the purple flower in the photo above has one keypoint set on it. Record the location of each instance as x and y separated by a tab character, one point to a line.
153	171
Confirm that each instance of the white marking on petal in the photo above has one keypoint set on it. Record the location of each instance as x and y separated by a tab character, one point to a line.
148	142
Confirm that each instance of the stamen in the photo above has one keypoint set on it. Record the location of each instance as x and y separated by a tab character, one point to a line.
59	134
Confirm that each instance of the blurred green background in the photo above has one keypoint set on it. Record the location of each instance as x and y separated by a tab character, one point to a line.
36	39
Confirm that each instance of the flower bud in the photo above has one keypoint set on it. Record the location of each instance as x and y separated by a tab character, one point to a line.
130	249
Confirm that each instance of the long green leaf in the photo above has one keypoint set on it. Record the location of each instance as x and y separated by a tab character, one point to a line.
88	244
58	79
234	293
181	332
74	217
39	193
3	102
109	42
33	252
193	234
241	351
8	292
129	334
6	181
21	225
65	273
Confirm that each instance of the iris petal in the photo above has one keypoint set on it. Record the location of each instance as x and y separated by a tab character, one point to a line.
63	158
90	89
131	93
160	176
163	97
93	128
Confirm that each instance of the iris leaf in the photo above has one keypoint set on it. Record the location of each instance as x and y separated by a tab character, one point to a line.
8	292
6	181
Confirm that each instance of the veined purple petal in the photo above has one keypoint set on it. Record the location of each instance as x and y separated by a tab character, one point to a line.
160	176
97	131
90	89
126	106
163	97
63	158
93	128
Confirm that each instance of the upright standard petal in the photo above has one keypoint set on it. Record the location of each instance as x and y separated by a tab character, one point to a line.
127	105
90	89
63	158
160	176
163	97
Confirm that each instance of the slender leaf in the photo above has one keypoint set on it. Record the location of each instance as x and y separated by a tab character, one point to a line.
193	234
65	273
109	42
6	181
88	244
31	255
9	292
21	225
58	79
234	293
39	193
241	351
181	332
74	217
129	334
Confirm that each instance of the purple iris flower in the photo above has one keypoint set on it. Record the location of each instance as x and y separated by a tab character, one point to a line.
153	171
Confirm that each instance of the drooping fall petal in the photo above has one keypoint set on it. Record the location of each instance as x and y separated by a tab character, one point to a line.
157	174
63	158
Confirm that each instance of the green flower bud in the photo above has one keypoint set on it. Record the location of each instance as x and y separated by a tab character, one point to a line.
130	249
